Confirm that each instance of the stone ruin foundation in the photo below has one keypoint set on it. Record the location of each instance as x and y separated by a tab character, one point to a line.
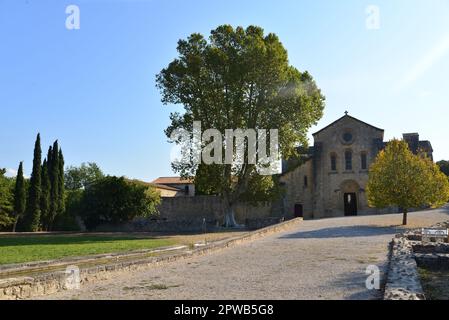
408	253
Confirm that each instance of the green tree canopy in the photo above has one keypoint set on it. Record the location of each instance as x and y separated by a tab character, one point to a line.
6	200
55	189
33	211
82	176
61	184
116	200
45	196
238	79
20	195
400	178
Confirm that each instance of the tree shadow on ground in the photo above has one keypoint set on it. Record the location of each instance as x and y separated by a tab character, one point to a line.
344	232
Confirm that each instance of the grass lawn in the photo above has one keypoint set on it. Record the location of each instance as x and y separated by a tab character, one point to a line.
435	283
17	249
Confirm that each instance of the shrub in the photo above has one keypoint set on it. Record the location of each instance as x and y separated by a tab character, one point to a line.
114	200
6	201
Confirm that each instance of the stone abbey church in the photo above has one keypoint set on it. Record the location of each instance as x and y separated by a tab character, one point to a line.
331	180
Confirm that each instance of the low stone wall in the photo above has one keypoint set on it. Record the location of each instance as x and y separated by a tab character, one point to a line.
407	253
159	225
209	208
403	279
181	225
197	214
254	224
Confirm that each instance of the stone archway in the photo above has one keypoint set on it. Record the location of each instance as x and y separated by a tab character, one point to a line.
349	197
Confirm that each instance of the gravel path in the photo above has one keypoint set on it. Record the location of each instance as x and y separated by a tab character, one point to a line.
321	259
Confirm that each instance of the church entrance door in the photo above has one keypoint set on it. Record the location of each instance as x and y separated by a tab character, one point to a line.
350	200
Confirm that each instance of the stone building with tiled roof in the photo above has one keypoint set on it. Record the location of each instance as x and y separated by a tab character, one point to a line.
185	187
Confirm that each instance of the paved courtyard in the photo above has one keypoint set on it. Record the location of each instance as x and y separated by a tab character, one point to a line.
320	259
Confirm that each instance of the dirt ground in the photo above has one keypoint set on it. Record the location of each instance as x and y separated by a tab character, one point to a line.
319	259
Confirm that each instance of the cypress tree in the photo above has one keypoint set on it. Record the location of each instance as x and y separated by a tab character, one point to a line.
19	196
45	196
61	204
49	173
49	160
33	212
54	181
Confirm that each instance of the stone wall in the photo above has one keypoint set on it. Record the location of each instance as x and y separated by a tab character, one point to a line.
209	208
159	225
189	208
403	281
168	193
193	214
407	253
259	223
297	192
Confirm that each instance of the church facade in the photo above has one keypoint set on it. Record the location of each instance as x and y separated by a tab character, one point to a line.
330	178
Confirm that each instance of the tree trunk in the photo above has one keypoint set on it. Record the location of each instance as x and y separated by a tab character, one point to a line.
14	226
404	218
229	217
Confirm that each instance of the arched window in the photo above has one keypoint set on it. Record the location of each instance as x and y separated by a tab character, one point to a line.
306	182
363	160
333	162
348	160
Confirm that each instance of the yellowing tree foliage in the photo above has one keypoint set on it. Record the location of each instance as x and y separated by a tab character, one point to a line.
400	178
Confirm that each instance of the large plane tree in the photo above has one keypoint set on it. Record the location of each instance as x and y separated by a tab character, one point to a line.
238	79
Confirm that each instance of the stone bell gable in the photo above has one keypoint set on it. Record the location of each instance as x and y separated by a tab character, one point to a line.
330	178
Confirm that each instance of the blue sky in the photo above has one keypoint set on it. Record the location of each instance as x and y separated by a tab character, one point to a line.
94	88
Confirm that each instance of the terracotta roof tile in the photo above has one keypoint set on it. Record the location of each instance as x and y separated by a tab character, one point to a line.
171	180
